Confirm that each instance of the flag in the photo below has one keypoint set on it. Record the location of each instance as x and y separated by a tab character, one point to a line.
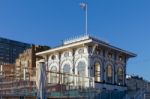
83	6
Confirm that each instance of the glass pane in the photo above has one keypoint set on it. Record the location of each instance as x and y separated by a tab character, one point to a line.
97	68
109	71
120	75
81	68
109	74
66	71
53	74
81	72
66	68
97	72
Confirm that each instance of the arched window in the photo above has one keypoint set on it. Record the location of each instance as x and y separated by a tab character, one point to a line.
97	72
81	70
66	68
109	74
120	75
66	73
53	74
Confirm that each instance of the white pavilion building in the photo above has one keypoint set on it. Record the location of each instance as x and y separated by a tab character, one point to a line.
85	59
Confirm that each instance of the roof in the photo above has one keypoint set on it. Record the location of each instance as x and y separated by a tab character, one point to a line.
85	40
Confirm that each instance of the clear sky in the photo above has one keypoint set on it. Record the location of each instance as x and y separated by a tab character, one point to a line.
124	23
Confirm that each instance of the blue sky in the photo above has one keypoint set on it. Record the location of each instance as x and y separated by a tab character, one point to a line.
124	23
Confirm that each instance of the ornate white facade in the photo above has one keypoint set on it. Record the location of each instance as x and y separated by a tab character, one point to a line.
87	57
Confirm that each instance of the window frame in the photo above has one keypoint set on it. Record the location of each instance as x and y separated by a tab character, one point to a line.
97	72
120	81
109	74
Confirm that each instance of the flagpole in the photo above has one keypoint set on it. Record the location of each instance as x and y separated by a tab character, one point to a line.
84	6
86	20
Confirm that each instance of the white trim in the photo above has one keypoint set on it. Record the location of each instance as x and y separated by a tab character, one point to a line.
77	43
53	64
64	47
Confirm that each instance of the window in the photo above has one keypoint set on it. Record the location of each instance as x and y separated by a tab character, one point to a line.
53	74
66	71
109	74
97	72
81	68
120	75
66	68
1	69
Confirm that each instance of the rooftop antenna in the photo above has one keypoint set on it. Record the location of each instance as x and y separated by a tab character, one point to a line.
84	6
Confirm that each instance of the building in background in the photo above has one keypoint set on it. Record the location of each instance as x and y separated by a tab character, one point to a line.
137	87
18	80
135	82
25	67
10	50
